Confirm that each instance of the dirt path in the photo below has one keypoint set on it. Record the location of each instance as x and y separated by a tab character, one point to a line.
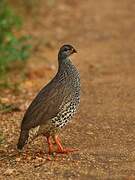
104	128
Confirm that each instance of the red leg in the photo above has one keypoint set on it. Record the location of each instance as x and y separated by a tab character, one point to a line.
60	147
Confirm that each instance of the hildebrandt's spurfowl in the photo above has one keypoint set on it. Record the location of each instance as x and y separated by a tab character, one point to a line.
54	106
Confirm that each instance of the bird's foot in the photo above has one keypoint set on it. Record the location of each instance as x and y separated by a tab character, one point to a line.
51	154
60	148
52	157
49	157
65	150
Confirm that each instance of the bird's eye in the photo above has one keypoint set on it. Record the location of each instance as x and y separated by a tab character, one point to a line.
66	49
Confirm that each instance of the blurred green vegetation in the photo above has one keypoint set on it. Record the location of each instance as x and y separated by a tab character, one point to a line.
12	48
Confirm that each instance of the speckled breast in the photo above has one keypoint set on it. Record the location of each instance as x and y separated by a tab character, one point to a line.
65	115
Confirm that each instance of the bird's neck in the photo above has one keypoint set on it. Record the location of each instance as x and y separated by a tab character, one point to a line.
64	62
61	56
66	68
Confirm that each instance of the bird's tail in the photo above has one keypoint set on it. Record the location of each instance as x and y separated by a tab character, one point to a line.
22	139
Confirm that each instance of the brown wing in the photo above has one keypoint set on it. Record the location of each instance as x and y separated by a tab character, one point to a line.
46	105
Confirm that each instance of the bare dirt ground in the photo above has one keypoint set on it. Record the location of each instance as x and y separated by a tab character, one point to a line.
104	128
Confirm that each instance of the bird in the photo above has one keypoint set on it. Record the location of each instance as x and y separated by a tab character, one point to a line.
54	106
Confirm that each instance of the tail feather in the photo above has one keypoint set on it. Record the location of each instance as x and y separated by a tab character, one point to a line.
23	139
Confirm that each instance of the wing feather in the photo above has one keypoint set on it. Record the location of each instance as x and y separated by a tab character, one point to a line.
46	104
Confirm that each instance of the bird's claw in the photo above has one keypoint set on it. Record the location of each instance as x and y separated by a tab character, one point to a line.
65	150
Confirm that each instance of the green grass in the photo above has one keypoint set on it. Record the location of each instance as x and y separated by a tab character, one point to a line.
12	48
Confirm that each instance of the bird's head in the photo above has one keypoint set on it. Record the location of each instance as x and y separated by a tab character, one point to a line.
65	51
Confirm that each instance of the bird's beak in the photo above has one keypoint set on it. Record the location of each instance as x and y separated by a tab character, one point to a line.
74	51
